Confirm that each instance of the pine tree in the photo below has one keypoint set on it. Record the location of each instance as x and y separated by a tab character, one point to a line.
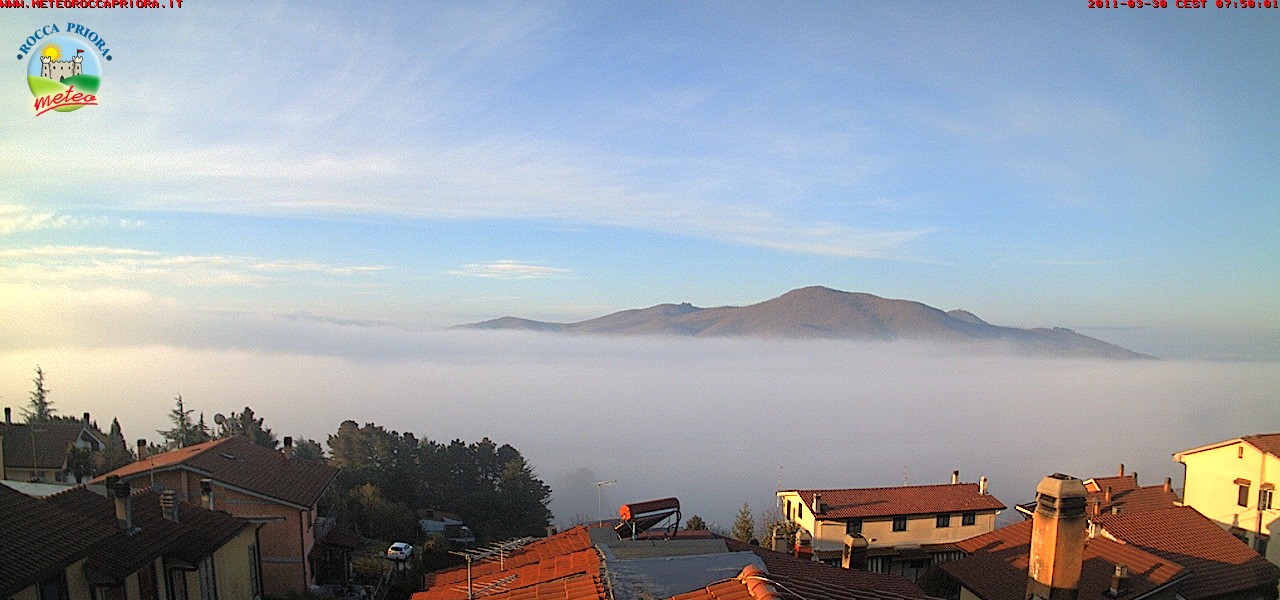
744	527
117	453
244	423
695	523
40	409
185	431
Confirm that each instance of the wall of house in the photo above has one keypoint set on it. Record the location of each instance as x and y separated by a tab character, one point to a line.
284	540
1211	489
231	562
924	530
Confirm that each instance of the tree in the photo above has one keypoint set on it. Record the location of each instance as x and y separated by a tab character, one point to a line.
117	453
185	432
744	527
79	462
245	424
771	524
695	523
40	408
308	449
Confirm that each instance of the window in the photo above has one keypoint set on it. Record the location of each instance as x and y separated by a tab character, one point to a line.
148	589
943	521
899	523
853	527
54	588
1242	495
208	580
1264	499
968	518
787	510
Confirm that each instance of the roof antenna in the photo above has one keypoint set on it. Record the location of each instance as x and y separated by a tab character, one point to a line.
904	475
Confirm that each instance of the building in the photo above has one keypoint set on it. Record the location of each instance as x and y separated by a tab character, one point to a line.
1233	482
1067	552
894	530
58	70
257	484
594	564
44	453
445	524
83	545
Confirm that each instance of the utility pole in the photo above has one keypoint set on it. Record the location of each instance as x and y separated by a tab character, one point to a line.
600	499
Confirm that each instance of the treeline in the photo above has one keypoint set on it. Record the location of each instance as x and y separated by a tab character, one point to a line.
492	488
386	476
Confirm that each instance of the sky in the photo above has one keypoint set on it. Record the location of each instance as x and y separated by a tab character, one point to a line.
325	188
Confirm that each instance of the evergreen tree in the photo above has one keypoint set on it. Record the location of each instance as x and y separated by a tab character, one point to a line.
308	449
117	453
40	408
246	424
185	432
744	527
695	523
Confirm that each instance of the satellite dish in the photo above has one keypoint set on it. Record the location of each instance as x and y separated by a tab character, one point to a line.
219	419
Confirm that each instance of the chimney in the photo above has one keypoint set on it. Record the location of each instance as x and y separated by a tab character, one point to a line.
86	418
206	493
1121	473
8	416
169	505
982	486
124	506
1119	581
1168	484
1135	476
1106	495
142	449
817	504
955	477
288	447
1057	539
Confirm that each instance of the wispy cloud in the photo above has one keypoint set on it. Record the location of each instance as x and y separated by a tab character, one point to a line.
20	219
93	265
510	269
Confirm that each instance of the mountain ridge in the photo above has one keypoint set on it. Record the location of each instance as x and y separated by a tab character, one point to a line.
821	312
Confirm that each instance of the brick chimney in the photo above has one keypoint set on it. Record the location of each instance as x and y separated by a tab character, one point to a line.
1057	539
124	506
206	493
1168	484
169	505
1106	495
288	447
1121	472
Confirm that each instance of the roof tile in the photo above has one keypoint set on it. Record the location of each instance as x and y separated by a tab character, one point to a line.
904	500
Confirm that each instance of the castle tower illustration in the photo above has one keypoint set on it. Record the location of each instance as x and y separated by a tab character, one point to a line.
58	70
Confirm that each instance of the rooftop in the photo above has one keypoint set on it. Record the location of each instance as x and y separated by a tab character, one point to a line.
1268	443
899	501
238	462
47	441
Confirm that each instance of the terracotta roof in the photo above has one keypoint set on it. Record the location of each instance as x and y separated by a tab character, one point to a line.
1132	498
583	562
803	579
1266	442
1219	563
568	542
750	584
40	539
900	501
996	568
1116	483
50	441
238	462
197	534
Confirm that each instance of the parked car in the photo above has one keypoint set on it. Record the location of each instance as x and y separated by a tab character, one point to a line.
400	551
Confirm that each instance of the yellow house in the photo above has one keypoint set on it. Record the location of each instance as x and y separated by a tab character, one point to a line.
83	545
1233	482
257	484
895	530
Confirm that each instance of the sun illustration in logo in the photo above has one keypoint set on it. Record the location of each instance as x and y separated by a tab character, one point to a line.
52	51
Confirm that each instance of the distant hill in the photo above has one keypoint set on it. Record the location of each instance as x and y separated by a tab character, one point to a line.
819	312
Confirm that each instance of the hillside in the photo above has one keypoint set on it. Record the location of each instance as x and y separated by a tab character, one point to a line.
819	312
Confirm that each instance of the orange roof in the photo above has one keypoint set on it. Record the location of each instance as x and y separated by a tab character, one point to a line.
1219	562
901	501
238	462
1129	498
1266	442
750	584
996	568
568	542
583	562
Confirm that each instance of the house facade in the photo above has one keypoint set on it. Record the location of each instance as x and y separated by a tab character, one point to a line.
115	543
1233	482
257	484
41	453
894	530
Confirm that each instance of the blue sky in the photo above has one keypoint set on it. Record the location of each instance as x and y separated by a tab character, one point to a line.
419	166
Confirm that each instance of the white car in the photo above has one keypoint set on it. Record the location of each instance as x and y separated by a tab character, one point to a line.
400	551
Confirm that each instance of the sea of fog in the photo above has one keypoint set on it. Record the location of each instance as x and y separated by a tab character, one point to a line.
716	423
